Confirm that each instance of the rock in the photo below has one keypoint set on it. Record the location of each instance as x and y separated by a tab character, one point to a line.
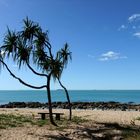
75	105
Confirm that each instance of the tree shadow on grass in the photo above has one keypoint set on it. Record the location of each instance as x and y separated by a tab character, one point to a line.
100	131
54	137
108	131
119	127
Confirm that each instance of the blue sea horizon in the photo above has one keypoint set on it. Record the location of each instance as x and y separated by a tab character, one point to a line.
122	96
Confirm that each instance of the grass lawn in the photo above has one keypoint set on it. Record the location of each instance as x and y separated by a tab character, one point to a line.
78	127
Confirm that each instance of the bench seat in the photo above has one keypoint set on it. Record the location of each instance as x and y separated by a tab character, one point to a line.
57	115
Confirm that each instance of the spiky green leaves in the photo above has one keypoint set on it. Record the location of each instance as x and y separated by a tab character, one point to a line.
39	56
32	43
65	55
56	67
30	29
10	42
23	55
41	39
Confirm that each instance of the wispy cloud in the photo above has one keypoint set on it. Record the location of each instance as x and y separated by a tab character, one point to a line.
2	53
122	27
137	34
90	56
110	55
134	17
132	26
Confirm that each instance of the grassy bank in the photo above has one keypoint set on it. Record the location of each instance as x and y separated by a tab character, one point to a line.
78	127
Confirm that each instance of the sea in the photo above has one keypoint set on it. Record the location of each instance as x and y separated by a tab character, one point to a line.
122	96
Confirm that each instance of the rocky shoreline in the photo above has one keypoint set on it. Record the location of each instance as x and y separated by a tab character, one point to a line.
76	105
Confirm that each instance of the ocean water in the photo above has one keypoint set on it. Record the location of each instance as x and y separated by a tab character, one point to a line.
123	96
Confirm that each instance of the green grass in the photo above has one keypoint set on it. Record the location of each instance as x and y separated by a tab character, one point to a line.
41	123
138	118
64	123
10	120
78	120
132	135
131	132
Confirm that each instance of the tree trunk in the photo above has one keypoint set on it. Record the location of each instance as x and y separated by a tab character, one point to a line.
49	101
68	98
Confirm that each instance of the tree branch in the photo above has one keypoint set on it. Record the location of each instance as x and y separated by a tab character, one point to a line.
40	74
49	48
20	80
66	91
68	98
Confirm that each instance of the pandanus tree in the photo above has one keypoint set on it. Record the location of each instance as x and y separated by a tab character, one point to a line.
31	47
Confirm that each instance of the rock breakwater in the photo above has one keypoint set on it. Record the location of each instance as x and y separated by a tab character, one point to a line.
76	105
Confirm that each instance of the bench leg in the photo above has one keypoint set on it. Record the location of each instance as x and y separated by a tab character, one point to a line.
57	117
43	116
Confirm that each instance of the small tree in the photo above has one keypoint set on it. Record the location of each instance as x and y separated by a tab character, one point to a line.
31	47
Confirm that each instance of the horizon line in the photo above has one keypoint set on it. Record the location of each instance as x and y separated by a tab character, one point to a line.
61	89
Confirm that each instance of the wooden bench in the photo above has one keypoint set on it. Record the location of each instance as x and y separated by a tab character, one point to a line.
43	115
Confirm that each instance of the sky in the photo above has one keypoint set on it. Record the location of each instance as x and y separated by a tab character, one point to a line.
103	35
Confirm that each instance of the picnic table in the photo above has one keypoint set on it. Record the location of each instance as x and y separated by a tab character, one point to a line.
43	115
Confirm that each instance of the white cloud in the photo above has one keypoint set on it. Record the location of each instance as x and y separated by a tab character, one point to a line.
134	17
2	53
122	27
103	59
110	55
137	34
90	56
134	27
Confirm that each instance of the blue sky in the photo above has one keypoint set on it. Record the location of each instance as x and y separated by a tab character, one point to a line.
103	35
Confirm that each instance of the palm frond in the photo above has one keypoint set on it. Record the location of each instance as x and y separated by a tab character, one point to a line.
39	56
65	55
33	41
45	66
56	68
23	54
29	30
10	43
41	39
